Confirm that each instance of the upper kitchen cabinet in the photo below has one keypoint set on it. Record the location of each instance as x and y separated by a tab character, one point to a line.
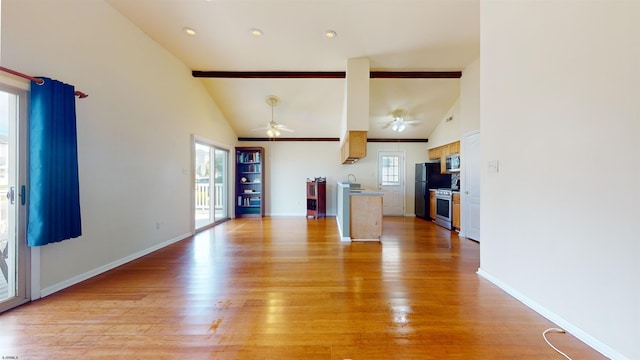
441	153
354	146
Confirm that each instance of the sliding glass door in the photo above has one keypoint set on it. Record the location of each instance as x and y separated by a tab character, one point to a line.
211	185
13	249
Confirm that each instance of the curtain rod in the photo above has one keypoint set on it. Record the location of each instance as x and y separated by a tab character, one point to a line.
38	81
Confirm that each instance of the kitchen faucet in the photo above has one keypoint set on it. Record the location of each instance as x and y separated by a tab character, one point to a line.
349	176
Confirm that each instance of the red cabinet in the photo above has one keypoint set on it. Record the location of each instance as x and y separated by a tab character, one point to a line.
316	197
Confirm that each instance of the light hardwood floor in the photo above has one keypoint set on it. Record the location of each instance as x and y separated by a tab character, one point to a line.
287	288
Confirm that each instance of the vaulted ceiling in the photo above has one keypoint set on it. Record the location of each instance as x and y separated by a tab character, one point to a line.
395	35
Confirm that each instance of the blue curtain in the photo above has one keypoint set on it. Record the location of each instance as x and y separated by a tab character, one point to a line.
54	191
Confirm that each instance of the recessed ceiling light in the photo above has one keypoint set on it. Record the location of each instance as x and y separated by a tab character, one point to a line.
330	34
189	31
255	32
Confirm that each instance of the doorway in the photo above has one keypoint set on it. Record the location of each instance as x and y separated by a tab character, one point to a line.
14	253
471	150
211	184
391	173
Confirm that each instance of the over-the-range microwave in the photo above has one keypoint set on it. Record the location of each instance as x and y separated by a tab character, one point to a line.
453	163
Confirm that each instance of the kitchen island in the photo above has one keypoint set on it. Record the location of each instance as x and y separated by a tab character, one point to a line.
359	213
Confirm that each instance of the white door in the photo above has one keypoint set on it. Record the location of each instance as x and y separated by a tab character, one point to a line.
14	253
471	162
391	182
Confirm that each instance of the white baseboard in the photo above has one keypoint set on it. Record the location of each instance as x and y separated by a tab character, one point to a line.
585	337
112	265
34	263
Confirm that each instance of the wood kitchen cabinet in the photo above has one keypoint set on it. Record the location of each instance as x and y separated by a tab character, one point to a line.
366	218
354	146
441	153
455	218
432	204
434	154
454	148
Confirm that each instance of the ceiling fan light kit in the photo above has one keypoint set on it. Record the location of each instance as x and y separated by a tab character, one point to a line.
273	129
399	124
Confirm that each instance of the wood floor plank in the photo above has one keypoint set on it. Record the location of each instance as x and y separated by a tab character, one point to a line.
288	288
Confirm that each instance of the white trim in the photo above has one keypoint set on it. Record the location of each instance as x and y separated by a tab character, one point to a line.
230	175
22	85
464	206
35	273
469	133
112	265
342	238
574	330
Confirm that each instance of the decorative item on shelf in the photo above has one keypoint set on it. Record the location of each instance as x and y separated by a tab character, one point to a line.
248	191
243	179
317	179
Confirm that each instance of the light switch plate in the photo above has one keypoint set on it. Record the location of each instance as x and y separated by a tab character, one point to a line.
493	166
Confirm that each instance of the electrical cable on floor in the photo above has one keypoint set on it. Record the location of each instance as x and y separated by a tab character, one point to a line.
544	336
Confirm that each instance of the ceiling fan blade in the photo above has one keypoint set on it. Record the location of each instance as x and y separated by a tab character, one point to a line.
282	127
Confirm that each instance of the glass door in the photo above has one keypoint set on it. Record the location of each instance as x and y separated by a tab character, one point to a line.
13	249
220	184
211	173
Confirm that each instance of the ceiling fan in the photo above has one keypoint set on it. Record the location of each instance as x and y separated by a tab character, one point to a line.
273	128
399	123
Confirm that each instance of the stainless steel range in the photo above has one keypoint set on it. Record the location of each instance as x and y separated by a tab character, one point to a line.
443	207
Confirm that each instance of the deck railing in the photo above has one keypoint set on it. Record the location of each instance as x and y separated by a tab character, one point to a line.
203	196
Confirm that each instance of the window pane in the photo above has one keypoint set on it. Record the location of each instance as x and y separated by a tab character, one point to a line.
390	170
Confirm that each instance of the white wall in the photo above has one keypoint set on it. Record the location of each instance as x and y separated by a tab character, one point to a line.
134	128
470	98
447	131
289	164
465	112
560	84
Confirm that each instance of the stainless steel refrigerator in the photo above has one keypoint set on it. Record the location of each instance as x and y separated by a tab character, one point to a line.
428	176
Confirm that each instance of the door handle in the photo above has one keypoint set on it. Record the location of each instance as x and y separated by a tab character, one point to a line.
11	195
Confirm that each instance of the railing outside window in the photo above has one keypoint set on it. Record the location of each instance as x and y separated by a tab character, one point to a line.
203	196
